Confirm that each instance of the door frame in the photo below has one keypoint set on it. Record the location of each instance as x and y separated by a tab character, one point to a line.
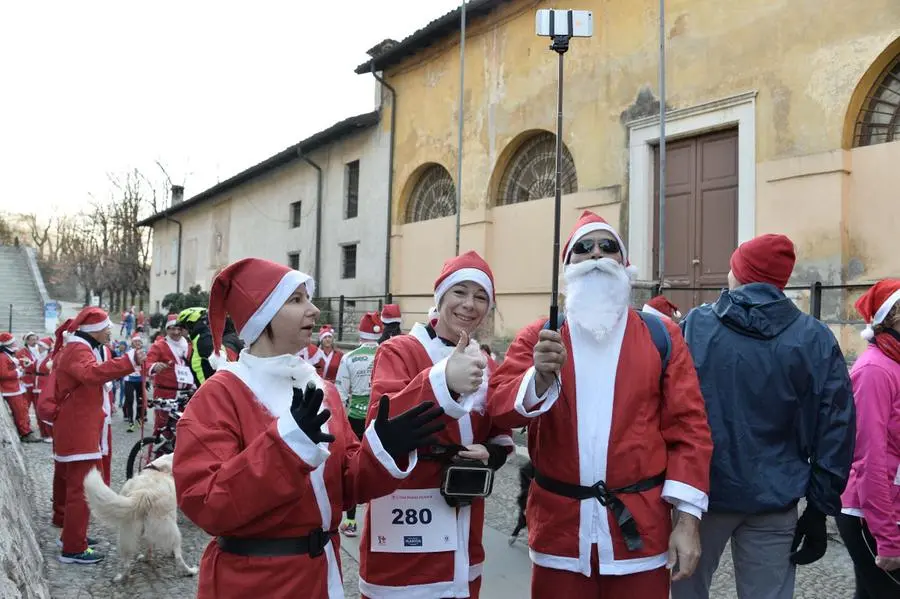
737	110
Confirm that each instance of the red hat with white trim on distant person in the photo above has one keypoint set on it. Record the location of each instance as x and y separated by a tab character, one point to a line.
326	330
252	291
589	222
46	342
390	313
876	304
765	259
370	327
661	306
91	319
7	339
459	269
172	320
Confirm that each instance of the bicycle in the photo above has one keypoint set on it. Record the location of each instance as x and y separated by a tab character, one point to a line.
162	442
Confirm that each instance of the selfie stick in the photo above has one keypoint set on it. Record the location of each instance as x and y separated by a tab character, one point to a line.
559	45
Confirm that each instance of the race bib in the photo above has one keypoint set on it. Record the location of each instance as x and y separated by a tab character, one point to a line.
183	375
413	521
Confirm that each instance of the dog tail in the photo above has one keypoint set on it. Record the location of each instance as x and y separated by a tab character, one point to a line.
108	506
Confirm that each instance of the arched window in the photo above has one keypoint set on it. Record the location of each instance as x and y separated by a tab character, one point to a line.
531	172
879	118
434	195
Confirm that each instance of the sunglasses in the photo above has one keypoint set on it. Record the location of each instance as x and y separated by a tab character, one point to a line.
586	246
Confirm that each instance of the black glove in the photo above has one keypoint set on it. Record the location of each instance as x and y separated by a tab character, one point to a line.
305	410
811	532
407	431
498	455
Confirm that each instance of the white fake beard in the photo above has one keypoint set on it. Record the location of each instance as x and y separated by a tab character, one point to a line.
598	293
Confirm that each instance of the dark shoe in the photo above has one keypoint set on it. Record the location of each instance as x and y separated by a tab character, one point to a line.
30	438
89	556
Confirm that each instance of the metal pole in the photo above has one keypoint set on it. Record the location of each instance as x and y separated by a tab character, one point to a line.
462	80
10	318
557	202
662	144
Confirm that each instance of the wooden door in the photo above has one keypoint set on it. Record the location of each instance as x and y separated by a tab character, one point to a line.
701	216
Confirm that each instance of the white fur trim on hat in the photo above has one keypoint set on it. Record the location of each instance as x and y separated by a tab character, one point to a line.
370	336
885	308
590	228
390	320
272	304
95	328
326	334
648	309
479	277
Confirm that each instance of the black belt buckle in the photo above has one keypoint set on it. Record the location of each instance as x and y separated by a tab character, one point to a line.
318	539
601	492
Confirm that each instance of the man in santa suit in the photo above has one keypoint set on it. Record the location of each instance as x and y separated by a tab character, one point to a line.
41	372
313	355
28	358
618	442
266	460
661	306
168	363
328	366
12	385
84	371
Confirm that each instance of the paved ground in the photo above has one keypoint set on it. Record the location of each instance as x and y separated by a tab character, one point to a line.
830	578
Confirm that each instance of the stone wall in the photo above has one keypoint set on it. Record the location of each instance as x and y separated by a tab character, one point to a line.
22	572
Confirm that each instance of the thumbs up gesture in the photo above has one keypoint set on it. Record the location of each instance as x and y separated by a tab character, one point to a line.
465	367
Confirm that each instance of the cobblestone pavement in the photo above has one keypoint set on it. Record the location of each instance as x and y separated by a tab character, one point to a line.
830	578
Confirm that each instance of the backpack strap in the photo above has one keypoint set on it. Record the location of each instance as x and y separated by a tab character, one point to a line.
658	332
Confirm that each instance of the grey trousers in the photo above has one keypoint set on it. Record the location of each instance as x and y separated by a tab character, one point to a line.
760	550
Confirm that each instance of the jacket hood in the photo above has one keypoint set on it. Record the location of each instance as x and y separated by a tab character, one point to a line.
756	310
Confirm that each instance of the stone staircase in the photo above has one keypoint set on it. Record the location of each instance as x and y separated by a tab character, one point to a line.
22	286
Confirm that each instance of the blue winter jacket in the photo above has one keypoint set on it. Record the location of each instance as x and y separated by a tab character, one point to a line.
779	401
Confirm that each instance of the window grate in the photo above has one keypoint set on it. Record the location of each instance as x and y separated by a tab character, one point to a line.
348	261
294	260
296	214
531	173
879	118
351	209
434	196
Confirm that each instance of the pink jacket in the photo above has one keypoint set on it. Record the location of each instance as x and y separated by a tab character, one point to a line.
873	490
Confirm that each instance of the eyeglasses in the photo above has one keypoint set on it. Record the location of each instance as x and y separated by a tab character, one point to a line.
586	246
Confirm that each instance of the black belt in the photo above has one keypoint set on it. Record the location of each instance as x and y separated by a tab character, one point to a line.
312	545
607	498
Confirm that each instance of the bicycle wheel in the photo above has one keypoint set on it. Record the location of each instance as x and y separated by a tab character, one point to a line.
141	454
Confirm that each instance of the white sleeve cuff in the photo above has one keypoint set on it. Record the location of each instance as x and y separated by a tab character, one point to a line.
438	379
130	354
685	498
385	459
314	455
528	403
502	440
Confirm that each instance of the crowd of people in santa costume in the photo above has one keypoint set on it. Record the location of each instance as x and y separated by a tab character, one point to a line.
656	438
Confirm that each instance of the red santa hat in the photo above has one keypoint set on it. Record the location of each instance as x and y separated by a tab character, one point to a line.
137	337
46	342
27	335
764	259
589	222
465	267
390	313
326	331
7	339
876	304
370	327
91	319
172	320
661	306
251	291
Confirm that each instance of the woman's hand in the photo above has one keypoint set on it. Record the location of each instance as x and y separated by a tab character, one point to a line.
475	452
465	370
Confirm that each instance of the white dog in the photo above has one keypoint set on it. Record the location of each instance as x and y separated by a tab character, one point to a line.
144	511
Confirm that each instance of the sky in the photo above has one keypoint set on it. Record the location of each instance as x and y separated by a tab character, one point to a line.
205	88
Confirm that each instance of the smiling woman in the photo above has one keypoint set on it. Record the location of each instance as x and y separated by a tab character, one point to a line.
266	459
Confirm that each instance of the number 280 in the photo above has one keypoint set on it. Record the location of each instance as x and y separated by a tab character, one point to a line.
411	516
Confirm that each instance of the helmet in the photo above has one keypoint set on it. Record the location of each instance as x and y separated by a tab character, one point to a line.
189	316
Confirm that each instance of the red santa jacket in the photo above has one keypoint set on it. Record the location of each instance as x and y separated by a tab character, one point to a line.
165	383
312	355
328	365
10	376
28	359
242	471
410	370
613	421
81	427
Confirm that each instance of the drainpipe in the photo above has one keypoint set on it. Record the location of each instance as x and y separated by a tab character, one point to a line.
178	267
318	259
390	206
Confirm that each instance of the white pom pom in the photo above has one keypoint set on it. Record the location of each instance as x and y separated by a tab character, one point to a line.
433	314
216	360
868	333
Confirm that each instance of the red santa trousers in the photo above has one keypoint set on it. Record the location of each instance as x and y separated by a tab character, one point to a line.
59	493
77	513
474	589
44	428
18	404
547	583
